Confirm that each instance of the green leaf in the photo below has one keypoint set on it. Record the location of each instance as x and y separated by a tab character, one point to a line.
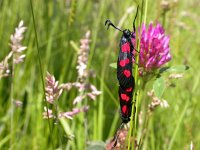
96	146
159	87
178	68
74	46
66	128
113	65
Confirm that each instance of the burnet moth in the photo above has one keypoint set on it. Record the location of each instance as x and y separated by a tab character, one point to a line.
124	72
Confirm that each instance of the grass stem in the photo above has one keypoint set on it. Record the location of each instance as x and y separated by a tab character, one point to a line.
41	70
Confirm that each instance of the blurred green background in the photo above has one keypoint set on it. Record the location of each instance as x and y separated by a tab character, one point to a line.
60	25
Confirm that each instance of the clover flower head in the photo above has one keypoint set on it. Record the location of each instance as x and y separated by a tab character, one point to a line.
154	48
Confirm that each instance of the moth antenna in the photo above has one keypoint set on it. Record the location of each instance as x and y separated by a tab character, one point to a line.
111	24
135	18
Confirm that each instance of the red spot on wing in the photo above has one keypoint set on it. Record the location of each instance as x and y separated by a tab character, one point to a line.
127	73
125	97
123	63
126	47
129	89
124	109
127	60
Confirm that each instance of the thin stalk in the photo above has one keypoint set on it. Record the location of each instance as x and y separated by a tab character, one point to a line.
57	121
136	92
137	95
164	18
86	122
145	11
86	116
134	113
85	119
95	31
12	105
40	69
178	126
143	17
147	116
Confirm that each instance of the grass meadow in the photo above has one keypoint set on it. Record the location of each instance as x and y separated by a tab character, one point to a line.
52	38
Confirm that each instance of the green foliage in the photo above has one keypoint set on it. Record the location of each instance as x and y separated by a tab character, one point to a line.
96	146
159	87
113	65
176	69
60	25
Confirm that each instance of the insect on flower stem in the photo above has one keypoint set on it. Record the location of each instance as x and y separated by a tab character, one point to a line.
124	73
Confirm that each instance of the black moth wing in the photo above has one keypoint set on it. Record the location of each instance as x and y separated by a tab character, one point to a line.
124	72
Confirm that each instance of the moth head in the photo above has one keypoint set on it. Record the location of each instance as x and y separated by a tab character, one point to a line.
127	33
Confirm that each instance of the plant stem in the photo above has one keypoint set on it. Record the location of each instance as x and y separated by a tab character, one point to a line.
12	105
134	113
135	95
178	125
41	71
147	116
145	11
86	123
